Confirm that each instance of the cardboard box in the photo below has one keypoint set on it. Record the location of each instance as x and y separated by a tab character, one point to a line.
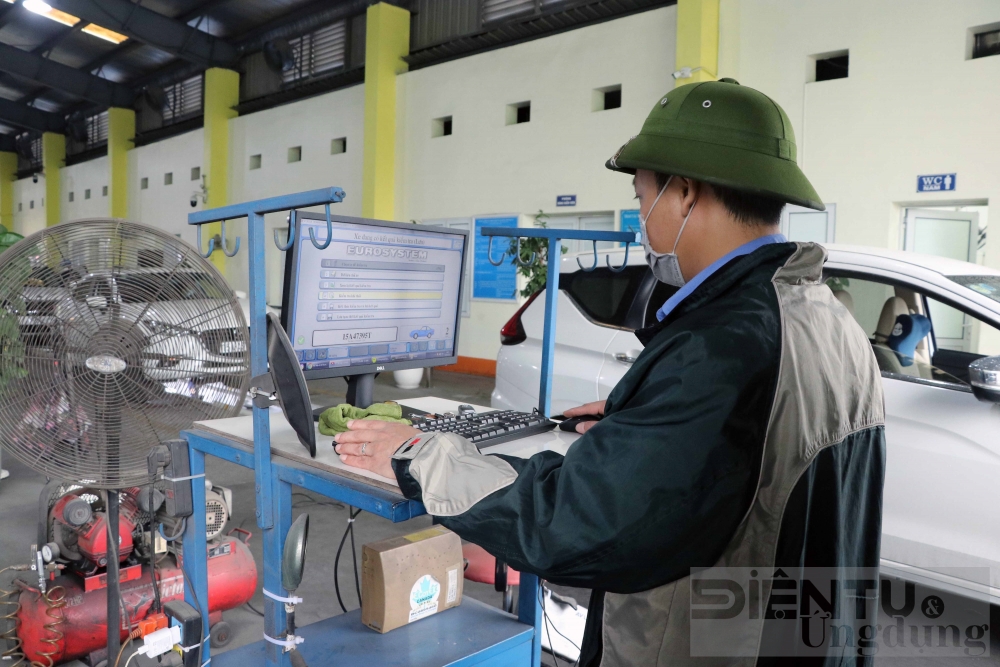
411	577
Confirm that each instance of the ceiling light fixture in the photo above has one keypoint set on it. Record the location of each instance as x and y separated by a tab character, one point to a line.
105	34
42	8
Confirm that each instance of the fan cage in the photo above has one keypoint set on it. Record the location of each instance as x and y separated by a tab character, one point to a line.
114	336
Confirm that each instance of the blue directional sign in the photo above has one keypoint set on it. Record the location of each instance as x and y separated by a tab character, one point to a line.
566	200
936	183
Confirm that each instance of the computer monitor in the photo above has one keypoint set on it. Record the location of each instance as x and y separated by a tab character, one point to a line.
383	296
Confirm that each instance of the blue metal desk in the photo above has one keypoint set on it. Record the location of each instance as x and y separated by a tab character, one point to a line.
514	642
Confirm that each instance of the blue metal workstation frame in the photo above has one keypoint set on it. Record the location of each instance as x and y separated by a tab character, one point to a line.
471	634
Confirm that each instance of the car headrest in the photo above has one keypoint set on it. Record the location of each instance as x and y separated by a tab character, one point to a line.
906	333
844	297
894	307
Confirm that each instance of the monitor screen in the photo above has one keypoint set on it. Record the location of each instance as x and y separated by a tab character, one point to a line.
382	296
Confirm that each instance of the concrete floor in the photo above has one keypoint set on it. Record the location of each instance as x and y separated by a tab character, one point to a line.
19	494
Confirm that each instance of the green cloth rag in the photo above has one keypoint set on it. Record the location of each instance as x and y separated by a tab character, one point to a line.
334	420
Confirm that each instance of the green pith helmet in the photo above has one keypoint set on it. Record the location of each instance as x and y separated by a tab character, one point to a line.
724	133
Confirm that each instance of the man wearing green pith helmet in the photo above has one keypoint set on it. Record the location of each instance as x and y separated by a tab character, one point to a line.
748	434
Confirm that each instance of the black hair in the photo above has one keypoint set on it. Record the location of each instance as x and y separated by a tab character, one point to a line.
748	209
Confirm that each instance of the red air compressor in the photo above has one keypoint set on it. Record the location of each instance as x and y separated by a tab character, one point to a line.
69	618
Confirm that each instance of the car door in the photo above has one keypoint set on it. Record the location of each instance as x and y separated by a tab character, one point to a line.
624	347
941	500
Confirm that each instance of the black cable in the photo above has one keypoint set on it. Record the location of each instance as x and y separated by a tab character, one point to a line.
545	615
254	609
336	561
157	606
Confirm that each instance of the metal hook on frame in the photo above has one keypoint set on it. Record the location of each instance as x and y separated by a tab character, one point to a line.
489	254
607	260
211	245
596	261
222	243
329	232
292	216
517	258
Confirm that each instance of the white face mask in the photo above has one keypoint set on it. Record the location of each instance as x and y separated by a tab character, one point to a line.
665	265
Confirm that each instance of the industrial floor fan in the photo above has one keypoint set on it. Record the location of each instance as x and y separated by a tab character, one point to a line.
114	337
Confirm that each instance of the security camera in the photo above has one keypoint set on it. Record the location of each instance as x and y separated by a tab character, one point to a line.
34	178
194	201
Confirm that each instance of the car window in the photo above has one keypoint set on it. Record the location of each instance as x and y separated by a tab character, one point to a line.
953	341
603	295
985	285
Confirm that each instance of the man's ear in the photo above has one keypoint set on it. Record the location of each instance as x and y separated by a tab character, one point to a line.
690	191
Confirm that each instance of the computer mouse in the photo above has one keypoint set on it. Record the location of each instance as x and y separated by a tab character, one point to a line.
570	424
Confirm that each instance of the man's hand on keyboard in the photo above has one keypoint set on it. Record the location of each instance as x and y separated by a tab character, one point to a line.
378	440
595	408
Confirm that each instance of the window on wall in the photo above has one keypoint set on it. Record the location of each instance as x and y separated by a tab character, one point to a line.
985	41
195	173
168	178
294	154
441	127
104	191
831	66
86	193
144	183
19	207
519	112
609	97
338	146
71	196
31	204
255	161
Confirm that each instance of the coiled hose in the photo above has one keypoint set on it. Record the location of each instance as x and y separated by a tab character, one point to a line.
55	599
11	623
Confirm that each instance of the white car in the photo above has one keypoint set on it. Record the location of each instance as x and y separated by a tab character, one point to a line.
184	328
941	511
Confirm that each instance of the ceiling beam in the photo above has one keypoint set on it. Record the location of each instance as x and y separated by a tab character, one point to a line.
164	33
62	77
7	12
30	118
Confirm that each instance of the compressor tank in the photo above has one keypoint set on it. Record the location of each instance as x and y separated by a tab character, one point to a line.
73	623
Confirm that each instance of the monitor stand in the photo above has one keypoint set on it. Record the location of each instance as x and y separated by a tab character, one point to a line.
359	392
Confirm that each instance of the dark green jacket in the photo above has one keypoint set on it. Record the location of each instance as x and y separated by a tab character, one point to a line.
749	432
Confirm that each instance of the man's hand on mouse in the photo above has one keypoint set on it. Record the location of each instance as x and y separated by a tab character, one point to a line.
595	408
370	444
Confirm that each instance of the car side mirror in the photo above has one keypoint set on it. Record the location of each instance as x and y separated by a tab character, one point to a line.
984	376
98	302
293	559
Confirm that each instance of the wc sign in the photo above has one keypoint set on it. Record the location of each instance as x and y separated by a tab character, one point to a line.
936	183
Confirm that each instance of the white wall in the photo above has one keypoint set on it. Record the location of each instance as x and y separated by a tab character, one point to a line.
912	104
488	167
28	220
160	205
92	175
312	124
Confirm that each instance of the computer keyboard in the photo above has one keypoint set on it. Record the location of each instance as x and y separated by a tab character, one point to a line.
486	429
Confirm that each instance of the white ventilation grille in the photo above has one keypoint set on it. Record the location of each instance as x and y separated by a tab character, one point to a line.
496	10
97	129
318	52
184	99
